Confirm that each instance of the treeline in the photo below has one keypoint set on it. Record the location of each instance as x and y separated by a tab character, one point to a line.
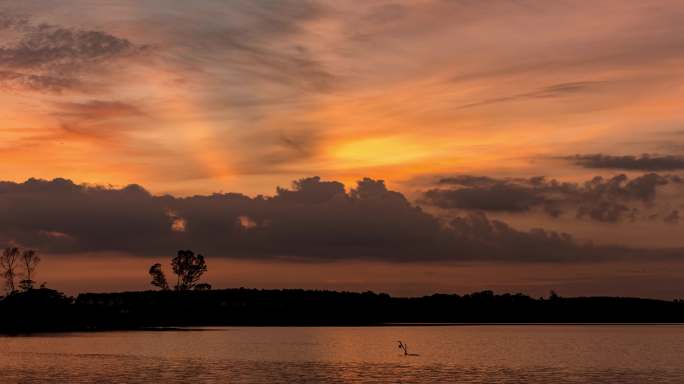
307	307
48	310
187	302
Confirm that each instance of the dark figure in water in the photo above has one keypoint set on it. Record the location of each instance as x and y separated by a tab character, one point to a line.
404	347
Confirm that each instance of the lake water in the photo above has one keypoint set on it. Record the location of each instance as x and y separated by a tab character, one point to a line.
449	354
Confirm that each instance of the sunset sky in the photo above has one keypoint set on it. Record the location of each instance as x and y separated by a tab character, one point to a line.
509	145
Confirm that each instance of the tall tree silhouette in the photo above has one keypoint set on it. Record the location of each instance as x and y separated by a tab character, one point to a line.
29	260
158	277
8	262
189	268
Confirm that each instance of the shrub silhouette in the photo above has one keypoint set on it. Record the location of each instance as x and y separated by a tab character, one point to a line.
203	287
158	277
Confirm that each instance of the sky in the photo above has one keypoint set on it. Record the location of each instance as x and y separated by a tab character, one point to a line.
407	147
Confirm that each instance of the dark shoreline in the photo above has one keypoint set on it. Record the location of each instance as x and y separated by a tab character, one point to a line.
221	328
45	310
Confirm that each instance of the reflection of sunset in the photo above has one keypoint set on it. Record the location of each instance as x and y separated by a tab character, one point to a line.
495	119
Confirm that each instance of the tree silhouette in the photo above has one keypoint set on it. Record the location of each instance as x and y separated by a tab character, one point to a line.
189	268
8	262
30	260
158	277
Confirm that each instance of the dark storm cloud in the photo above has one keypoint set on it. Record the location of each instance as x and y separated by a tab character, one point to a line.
601	199
637	163
496	197
45	57
313	220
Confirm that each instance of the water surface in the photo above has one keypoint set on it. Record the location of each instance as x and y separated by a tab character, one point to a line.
453	354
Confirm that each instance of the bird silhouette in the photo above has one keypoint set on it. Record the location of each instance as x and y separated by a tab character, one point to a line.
404	347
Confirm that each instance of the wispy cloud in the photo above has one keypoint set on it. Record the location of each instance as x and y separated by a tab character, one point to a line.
551	91
257	92
629	162
45	57
96	110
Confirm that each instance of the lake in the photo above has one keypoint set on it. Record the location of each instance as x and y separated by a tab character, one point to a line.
449	354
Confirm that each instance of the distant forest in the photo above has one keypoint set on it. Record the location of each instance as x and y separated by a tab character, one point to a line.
48	310
188	303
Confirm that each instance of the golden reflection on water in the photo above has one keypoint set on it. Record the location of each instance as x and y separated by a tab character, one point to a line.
485	354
